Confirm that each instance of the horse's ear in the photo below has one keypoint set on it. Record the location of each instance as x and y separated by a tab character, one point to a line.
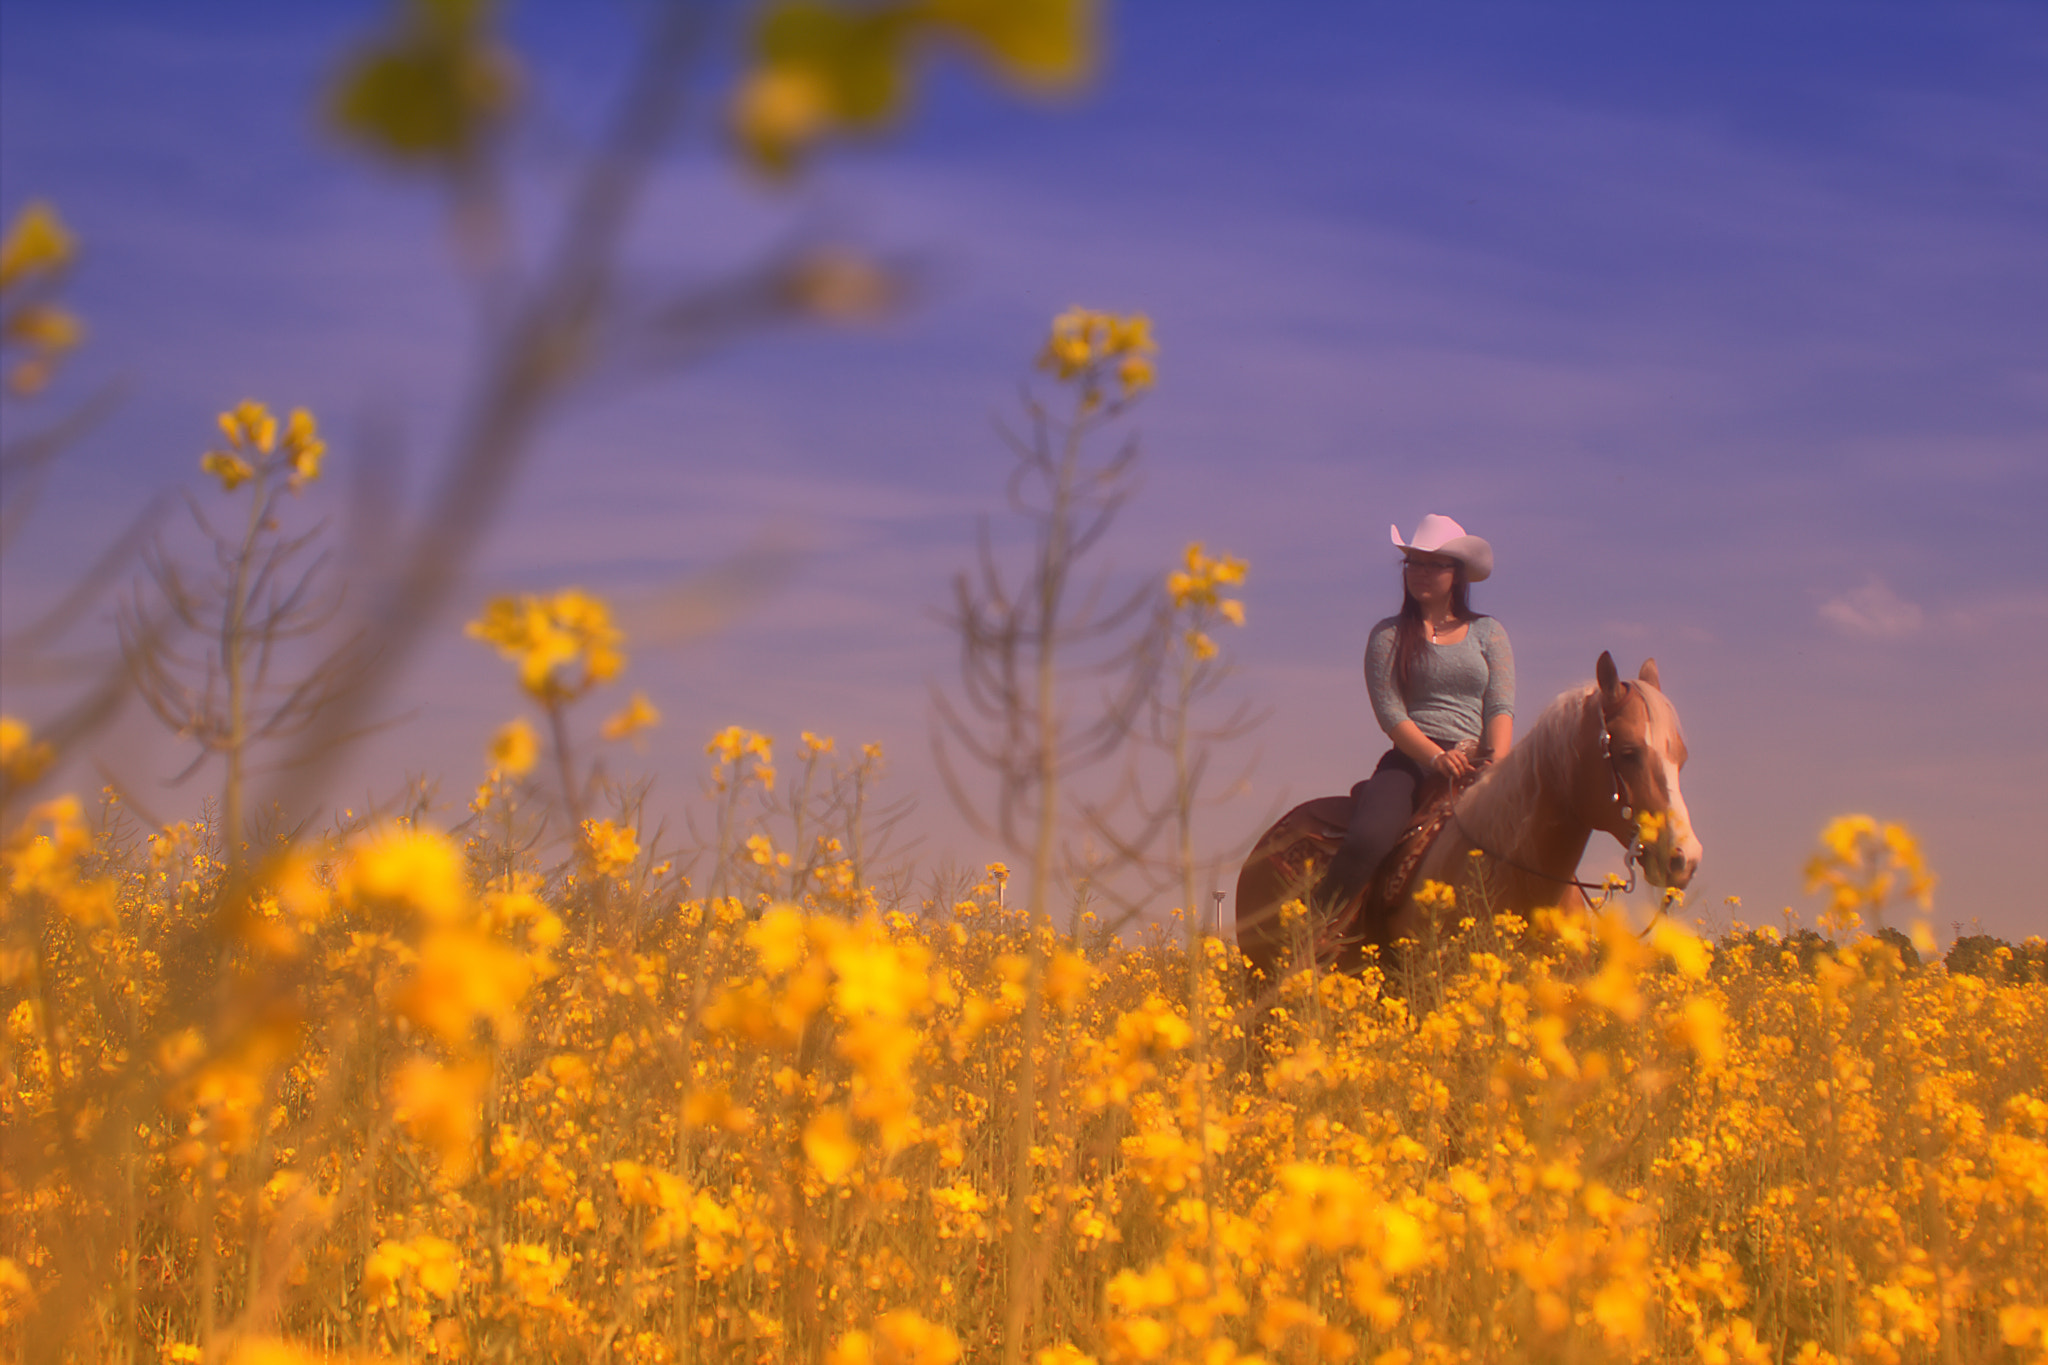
1648	673
1609	679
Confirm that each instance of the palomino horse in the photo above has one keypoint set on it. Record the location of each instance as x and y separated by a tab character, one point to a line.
1600	757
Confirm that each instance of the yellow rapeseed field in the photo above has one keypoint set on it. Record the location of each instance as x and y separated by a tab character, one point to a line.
396	1094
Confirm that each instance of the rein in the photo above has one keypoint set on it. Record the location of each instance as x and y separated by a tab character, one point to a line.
1607	887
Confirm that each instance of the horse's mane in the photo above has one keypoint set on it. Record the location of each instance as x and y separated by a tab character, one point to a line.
1540	762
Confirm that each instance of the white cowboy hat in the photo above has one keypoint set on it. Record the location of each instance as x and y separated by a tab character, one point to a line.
1439	535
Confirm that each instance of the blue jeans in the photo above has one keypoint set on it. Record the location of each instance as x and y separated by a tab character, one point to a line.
1381	807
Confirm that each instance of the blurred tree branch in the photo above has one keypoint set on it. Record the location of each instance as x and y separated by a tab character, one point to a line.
438	93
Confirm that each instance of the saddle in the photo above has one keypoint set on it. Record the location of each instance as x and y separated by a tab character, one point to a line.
1291	857
1363	920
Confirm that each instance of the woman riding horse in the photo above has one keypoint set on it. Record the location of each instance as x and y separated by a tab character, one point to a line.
1602	757
1442	682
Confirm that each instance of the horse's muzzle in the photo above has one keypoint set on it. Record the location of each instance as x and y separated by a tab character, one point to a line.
1674	867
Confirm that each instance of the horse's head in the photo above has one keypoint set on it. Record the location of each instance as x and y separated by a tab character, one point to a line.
1645	750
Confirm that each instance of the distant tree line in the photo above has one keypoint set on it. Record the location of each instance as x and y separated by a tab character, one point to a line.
1980	955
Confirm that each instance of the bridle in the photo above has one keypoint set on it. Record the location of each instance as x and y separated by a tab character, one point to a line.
1608	887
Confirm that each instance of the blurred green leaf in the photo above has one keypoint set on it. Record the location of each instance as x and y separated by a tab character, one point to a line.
822	66
431	90
856	57
1047	44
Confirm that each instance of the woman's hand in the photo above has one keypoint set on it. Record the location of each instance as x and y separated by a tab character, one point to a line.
1423	752
1453	764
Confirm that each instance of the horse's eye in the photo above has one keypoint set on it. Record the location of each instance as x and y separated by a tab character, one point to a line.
1629	751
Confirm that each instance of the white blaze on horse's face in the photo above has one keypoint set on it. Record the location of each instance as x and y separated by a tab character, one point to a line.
1674	855
1647	749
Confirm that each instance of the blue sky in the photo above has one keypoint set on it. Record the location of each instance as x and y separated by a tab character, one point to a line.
1727	324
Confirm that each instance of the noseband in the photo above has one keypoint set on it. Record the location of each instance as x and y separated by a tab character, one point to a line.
1607	887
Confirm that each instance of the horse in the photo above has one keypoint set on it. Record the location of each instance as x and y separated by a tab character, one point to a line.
1604	756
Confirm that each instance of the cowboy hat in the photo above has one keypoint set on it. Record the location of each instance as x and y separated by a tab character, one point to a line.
1439	535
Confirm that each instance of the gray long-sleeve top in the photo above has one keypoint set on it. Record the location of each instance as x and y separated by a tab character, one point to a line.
1453	690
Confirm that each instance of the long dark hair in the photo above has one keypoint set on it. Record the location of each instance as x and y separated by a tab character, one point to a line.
1411	637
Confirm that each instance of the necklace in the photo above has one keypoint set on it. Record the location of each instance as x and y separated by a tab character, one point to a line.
1449	623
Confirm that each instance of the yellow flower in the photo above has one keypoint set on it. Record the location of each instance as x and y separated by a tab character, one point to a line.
639	714
779	939
1702	1026
905	1338
418	870
37	243
429	1262
439	1265
441	1107
273	1351
2021	1325
1064	1354
1613	987
1194	588
1067	978
515	748
533	1273
778	111
303	447
878	979
42	855
612	848
249	426
564	645
1863	866
462	978
714	1109
735	742
1135	374
1923	938
16	1293
232	470
1404	1241
1139	1338
1618	1308
1082	337
855	1348
22	757
1437	897
762	851
1687	953
1071	347
829	1145
46	327
507	910
1130	335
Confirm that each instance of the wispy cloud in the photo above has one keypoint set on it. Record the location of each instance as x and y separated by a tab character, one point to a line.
1873	612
